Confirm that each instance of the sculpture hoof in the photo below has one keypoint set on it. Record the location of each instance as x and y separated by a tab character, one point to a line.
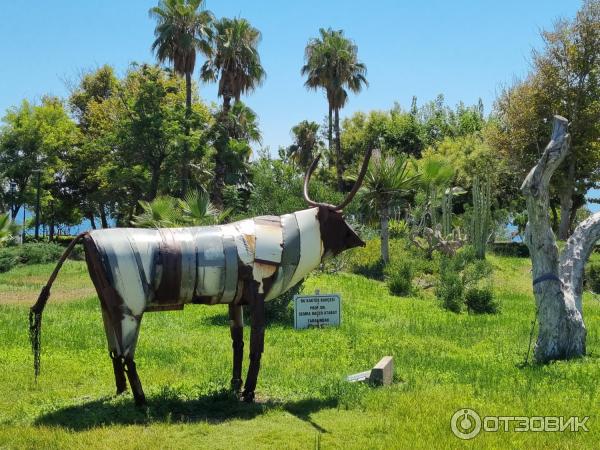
248	397
236	384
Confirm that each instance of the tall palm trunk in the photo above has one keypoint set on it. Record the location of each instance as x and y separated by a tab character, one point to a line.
226	104
103	218
220	169
185	169
90	216
330	130
338	152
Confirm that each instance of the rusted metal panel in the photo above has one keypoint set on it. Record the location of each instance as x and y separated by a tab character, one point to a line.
120	262
148	289
269	240
311	248
211	264
122	266
231	269
169	260
244	234
290	255
146	242
187	245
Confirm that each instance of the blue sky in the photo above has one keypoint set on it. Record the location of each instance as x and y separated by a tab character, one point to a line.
463	49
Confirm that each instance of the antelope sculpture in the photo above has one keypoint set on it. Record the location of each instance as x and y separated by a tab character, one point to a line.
242	263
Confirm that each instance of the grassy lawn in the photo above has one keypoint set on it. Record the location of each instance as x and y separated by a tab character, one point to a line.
443	362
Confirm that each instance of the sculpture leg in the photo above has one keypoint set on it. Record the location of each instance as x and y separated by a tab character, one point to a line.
257	339
130	338
119	370
236	327
114	353
134	381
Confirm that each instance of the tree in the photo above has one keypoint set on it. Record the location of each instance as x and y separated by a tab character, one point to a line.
469	156
182	28
94	87
398	131
39	137
86	177
235	63
387	180
331	63
564	80
232	134
306	142
557	279
20	148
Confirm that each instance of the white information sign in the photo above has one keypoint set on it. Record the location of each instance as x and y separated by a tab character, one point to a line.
316	310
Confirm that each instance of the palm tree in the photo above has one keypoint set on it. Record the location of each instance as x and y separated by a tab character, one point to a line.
387	180
235	64
331	63
436	176
306	141
164	211
182	28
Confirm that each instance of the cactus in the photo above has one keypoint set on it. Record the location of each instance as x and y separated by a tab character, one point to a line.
447	213
481	216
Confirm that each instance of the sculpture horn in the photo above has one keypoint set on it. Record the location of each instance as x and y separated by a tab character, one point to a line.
351	194
310	171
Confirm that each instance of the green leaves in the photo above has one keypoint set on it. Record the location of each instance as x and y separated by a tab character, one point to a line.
167	212
182	28
388	178
234	60
331	63
8	229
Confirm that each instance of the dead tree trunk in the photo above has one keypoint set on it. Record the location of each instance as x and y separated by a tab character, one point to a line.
557	281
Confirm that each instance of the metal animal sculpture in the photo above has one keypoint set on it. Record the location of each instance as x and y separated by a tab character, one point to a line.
242	263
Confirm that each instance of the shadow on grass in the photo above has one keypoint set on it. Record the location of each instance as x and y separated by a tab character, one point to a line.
215	407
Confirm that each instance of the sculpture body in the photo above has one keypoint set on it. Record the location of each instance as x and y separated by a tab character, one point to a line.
242	263
161	269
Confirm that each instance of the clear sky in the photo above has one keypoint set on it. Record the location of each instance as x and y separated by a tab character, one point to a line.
463	49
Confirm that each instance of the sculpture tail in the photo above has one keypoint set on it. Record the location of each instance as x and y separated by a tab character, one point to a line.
35	313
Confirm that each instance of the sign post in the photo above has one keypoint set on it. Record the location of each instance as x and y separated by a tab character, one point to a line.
315	311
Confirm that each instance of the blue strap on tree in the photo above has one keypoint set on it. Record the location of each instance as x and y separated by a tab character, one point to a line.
546	277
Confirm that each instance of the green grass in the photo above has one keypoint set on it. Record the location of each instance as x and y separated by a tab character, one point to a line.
443	362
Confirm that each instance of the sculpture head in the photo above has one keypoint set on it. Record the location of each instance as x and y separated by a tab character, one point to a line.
337	235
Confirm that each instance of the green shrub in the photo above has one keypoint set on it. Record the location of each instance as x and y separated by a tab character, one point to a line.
592	277
464	274
398	228
280	309
8	259
40	252
481	301
399	278
373	270
450	290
